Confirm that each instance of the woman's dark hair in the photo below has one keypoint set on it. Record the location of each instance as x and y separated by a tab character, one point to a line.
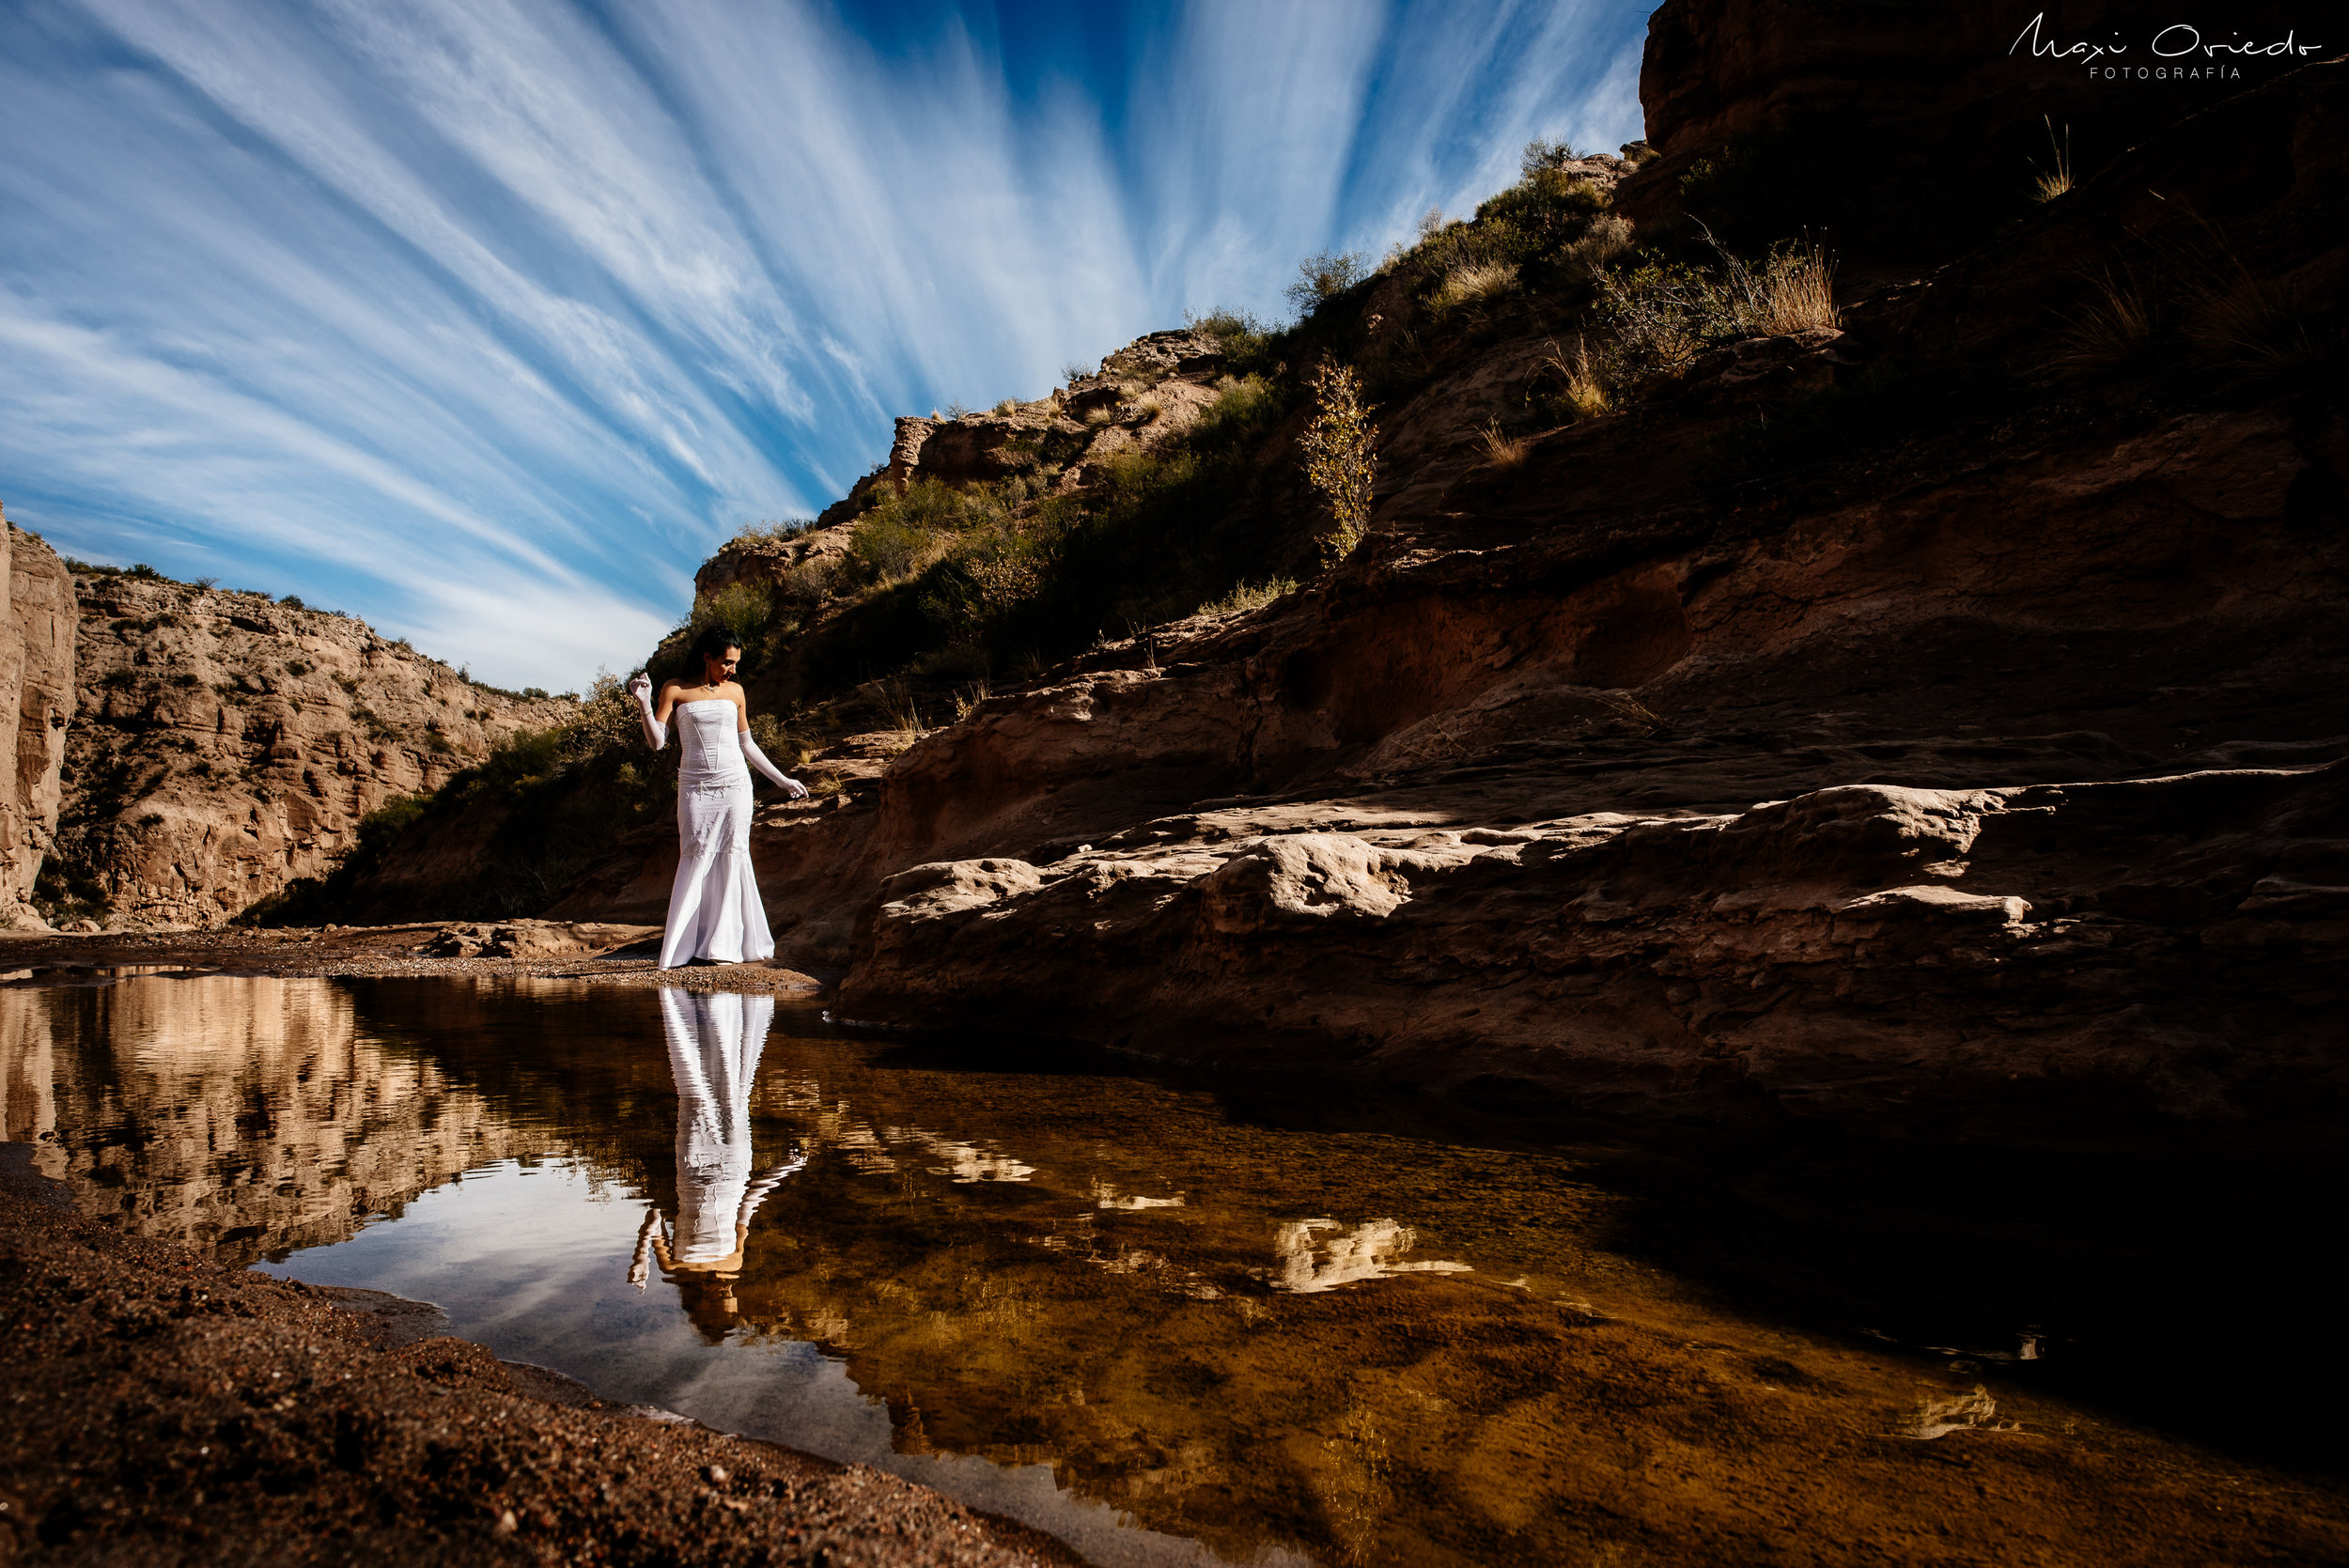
713	642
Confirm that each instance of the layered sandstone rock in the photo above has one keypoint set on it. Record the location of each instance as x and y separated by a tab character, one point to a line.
228	745
37	697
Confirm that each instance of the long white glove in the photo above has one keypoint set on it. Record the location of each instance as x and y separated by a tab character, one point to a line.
757	759
656	733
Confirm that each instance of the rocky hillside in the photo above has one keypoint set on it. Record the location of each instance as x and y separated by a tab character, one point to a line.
227	745
1905	696
36	696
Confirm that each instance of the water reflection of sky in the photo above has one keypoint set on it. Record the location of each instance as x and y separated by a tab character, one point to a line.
532	1261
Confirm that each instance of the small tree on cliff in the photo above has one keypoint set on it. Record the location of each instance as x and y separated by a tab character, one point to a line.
1341	457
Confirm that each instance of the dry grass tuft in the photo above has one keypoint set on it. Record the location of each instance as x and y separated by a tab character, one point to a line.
1504	452
1008	406
966	701
2260	331
1472	281
1580	385
1797	292
2056	181
2117	329
1147	411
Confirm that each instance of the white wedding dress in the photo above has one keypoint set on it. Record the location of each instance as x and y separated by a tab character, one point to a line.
714	909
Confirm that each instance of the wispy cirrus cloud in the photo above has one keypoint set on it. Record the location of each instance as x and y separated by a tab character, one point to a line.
488	318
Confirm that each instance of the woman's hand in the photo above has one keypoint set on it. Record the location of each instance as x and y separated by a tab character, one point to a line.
794	790
641	688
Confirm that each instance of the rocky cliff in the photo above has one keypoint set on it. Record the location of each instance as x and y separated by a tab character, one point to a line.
1952	746
1917	710
36	646
228	745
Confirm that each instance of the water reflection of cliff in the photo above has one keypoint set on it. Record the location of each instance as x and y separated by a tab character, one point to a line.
247	1114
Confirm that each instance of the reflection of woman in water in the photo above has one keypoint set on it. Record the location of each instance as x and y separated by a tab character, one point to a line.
714	1045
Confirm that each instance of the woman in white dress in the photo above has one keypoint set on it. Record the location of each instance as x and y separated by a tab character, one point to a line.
714	911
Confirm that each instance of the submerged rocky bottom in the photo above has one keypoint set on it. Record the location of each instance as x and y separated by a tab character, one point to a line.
1169	1320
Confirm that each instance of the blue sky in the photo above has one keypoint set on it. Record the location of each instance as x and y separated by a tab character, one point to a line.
489	319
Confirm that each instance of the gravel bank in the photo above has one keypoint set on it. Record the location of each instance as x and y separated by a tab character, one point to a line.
164	1410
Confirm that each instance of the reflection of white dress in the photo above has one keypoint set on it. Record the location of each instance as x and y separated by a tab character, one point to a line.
714	1045
714	911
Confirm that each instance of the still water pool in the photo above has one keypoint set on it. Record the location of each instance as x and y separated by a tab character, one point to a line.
1178	1322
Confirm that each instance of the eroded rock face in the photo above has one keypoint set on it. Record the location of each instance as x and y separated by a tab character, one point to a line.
1885	955
37	699
227	745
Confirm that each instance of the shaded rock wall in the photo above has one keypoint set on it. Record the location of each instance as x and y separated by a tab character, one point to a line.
37	646
229	745
1931	104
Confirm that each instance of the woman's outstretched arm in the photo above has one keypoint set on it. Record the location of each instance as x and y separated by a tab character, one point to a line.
757	759
656	733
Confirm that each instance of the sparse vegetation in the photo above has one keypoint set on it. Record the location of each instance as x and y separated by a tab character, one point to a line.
1656	318
772	532
1341	449
2256	330
1323	277
1248	596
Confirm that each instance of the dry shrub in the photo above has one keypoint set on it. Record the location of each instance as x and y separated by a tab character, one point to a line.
1504	452
1606	238
1147	411
1248	596
1341	457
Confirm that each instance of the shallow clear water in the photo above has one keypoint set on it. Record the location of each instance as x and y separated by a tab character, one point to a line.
1173	1322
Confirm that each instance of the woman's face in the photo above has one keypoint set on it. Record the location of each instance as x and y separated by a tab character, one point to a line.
717	672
